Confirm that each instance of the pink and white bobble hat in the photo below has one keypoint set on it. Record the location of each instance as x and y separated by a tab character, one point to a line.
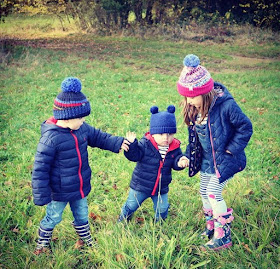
194	80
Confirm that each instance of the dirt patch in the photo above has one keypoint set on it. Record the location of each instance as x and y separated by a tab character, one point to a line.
237	62
241	60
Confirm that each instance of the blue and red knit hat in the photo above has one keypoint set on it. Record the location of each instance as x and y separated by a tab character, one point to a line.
194	80
163	122
71	103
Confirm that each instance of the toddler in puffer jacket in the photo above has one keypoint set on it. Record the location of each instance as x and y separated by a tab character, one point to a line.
61	172
156	154
218	133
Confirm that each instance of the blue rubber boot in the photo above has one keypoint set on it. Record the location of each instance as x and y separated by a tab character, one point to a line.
126	214
222	235
43	242
209	229
84	232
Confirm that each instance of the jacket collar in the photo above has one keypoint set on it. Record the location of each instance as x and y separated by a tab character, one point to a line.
174	144
51	120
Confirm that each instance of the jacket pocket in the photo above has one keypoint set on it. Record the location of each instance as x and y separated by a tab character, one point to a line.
231	164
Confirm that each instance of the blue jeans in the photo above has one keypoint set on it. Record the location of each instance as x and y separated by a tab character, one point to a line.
136	198
55	209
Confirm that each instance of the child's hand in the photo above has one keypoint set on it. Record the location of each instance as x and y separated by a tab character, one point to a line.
130	136
125	145
183	162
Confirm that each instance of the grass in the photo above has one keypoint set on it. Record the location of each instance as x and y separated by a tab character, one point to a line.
123	77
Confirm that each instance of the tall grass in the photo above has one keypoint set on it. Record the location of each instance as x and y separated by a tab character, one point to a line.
123	77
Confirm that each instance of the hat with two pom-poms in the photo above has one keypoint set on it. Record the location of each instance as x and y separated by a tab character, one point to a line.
163	122
71	103
194	80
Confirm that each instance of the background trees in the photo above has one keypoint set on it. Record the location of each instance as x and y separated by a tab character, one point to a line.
125	13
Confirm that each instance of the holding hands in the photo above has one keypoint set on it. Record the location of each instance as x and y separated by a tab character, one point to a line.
130	137
183	162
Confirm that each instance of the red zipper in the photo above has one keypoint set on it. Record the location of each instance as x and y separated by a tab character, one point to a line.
80	164
172	146
158	177
213	151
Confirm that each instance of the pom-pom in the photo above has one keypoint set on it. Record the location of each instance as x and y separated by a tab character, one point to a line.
154	109
71	84
191	60
171	109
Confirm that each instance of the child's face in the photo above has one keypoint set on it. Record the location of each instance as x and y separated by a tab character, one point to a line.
163	139
75	124
195	101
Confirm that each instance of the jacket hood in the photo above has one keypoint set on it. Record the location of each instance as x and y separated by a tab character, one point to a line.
222	93
50	124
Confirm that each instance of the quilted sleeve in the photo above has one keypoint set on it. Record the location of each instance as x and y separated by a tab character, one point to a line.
135	152
103	140
41	172
243	129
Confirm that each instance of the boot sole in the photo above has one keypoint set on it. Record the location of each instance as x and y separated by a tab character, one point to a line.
228	245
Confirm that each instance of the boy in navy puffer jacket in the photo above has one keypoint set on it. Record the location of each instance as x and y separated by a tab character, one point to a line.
156	154
61	172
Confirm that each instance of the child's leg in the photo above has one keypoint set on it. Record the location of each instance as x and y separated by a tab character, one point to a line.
221	214
80	212
214	194
134	200
53	214
161	206
204	181
207	208
53	217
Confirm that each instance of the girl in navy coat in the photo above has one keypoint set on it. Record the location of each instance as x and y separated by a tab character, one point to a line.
218	133
61	172
156	154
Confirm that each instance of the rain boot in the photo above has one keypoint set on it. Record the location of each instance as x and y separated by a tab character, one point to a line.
209	229
222	236
43	242
84	232
126	214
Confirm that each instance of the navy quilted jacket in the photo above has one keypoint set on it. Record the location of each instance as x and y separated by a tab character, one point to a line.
61	170
152	174
228	128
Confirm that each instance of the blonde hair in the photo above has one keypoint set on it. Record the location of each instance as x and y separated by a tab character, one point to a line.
190	112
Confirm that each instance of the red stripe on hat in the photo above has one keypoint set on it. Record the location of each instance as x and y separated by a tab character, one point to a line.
67	105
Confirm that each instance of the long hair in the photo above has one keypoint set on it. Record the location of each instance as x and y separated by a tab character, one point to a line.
190	112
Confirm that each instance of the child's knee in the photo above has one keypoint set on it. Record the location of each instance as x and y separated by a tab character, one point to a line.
50	222
212	198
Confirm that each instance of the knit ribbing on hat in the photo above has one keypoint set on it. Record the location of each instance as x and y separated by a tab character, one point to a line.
71	103
163	122
194	79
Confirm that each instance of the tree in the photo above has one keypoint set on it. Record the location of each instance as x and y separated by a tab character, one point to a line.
6	7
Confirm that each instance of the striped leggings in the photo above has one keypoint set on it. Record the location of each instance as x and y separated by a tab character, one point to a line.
211	193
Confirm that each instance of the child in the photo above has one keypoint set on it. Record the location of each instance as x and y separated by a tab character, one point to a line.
218	133
156	154
61	172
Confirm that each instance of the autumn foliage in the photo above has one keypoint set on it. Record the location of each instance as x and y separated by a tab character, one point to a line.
122	14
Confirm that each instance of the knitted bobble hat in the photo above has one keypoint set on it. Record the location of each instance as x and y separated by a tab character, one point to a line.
194	80
71	103
163	122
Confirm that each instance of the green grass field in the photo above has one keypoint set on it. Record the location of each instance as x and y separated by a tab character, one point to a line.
123	77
